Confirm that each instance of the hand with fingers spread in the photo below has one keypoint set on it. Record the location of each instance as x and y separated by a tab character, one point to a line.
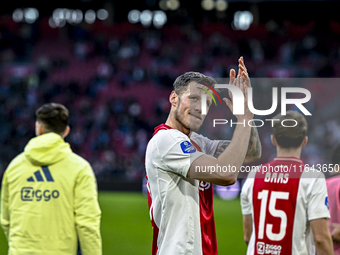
242	81
242	72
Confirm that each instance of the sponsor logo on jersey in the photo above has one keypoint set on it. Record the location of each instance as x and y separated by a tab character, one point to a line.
260	247
33	194
39	176
187	147
272	249
29	194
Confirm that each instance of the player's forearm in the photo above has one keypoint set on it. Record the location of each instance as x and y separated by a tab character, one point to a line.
324	247
322	237
230	161
235	153
247	227
254	148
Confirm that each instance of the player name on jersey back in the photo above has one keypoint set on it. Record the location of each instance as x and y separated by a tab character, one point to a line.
276	178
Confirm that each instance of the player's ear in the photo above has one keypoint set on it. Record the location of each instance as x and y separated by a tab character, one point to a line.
304	141
66	132
39	128
173	99
274	142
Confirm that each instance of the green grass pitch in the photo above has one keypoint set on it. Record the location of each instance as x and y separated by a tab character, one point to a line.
126	227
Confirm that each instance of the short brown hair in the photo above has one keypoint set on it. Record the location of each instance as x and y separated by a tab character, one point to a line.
53	116
292	136
182	81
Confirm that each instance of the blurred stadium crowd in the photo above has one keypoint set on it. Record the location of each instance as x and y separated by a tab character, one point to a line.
115	80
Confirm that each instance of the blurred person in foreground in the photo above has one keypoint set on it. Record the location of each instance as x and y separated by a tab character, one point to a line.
333	188
180	198
284	204
49	194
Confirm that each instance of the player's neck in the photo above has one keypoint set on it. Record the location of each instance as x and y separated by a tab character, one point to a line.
173	123
288	153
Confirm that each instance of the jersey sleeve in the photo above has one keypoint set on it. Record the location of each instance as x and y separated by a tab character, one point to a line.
246	196
176	152
208	146
317	198
87	213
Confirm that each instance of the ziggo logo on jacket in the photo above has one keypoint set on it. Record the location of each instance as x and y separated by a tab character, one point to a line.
29	194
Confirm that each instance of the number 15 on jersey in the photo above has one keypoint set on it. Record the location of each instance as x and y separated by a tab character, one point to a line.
270	208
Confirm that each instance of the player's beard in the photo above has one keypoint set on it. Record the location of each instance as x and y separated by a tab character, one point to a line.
180	118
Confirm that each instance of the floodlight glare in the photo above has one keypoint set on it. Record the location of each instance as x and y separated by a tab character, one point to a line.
90	16
18	15
208	5
159	19
146	17
242	20
221	5
102	14
134	16
31	15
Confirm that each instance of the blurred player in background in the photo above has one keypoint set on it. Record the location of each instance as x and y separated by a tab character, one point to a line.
333	188
49	194
180	198
285	206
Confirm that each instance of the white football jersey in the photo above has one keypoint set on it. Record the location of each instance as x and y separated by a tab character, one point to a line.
282	204
180	207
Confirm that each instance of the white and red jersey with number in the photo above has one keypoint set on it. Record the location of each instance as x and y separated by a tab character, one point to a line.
181	208
282	197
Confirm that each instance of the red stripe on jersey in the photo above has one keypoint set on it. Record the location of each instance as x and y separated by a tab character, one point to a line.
274	203
208	232
155	229
161	127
